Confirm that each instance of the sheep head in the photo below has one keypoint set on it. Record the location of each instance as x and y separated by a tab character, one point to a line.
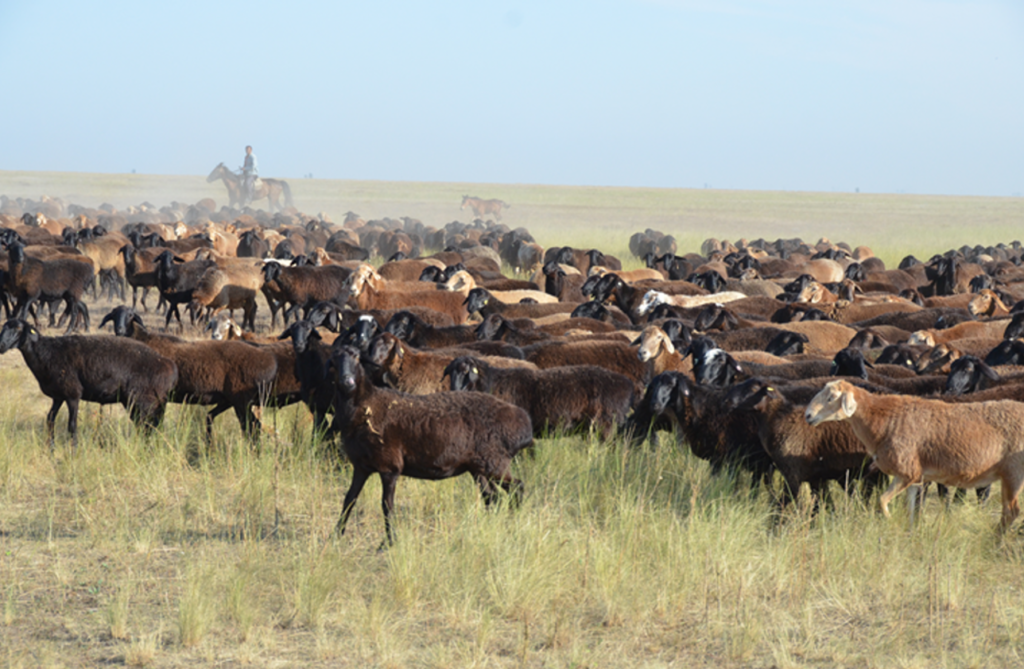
384	352
464	373
937	360
836	401
925	337
362	276
815	293
300	332
122	317
222	328
652	342
476	300
985	303
850	362
652	298
667	390
966	373
345	370
462	281
715	368
15	334
360	334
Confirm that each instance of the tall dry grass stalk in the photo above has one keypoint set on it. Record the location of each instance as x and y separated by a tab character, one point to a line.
617	557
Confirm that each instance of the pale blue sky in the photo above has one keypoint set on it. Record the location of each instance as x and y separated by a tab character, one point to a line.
898	96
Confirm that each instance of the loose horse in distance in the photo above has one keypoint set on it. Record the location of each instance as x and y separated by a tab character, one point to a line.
482	208
272	189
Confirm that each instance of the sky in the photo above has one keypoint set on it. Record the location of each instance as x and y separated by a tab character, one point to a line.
914	96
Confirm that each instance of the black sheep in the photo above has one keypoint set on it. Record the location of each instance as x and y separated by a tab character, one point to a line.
95	369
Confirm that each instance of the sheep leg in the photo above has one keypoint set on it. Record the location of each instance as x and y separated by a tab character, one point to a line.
1011	508
213	413
913	494
51	418
83	310
489	484
389	481
73	421
897	486
359	476
249	423
249	315
171	310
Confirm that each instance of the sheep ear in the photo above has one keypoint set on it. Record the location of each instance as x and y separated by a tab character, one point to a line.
732	363
636	342
868	363
849	403
287	332
987	371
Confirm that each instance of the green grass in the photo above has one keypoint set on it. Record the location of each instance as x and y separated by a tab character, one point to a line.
123	553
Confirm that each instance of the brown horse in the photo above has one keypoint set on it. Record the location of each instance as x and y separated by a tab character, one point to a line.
483	207
272	189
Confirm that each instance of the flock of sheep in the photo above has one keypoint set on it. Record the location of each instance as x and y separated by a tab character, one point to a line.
436	364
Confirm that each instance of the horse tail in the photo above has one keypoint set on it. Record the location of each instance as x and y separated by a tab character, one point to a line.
287	194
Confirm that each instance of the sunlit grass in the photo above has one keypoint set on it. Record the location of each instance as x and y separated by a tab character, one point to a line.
124	552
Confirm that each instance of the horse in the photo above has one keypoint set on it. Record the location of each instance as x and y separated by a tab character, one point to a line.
483	207
272	189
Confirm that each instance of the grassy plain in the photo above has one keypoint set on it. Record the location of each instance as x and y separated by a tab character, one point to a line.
121	553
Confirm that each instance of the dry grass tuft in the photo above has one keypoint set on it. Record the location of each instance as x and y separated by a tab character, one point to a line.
617	557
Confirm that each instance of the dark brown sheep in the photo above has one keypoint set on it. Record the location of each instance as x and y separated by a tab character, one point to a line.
431	437
227	374
95	369
583	396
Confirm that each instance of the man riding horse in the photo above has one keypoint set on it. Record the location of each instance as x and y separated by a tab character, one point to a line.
250	172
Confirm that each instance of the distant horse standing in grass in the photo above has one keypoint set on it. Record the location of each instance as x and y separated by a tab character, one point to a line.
482	208
272	189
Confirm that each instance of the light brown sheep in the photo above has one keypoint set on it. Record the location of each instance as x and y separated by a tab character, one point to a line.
968	329
657	349
629	276
366	290
463	282
987	303
916	440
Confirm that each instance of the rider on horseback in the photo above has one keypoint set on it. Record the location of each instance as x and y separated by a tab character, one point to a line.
250	172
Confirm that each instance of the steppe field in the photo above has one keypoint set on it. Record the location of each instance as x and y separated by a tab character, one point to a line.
123	553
